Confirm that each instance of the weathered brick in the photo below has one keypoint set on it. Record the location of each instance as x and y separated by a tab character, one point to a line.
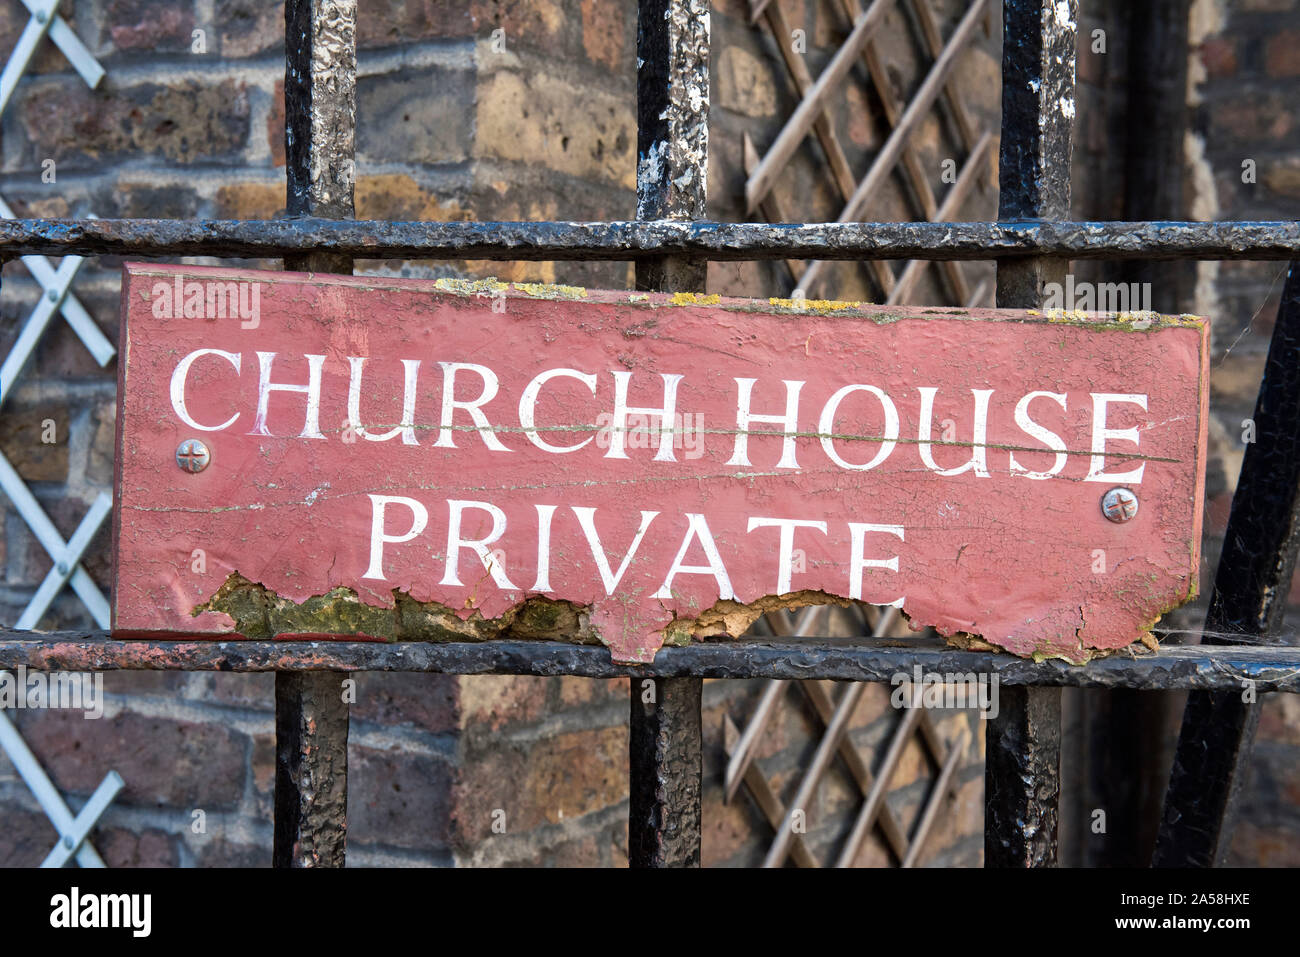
397	799
220	852
145	200
393	22
1262	845
397	197
861	126
262	765
606	38
529	118
249	27
251	201
735	9
427	702
576	692
873	852
255	691
495	701
43	207
745	83
155	25
415	117
27	836
179	764
1280	58
120	847
99	457
1279	720
1219	55
61	354
275	125
1260	120
728	830
553	779
1283	178
507	192
182	123
170	684
539	24
584	850
35	440
958	817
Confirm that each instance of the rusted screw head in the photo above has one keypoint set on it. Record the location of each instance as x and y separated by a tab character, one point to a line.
192	455
1119	504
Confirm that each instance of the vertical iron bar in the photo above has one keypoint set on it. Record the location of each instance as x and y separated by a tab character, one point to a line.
1022	768
311	717
672	140
311	770
672	92
1125	732
663	828
1249	599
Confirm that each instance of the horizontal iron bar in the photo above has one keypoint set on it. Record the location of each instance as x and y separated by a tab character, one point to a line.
1219	667
157	238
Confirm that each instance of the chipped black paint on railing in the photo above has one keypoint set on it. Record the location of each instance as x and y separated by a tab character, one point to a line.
1174	667
623	241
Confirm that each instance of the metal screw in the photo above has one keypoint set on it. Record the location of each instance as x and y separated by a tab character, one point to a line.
53	295
192	455
67	841
62	568
1119	504
41	16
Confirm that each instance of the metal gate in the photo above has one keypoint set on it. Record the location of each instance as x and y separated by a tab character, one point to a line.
671	243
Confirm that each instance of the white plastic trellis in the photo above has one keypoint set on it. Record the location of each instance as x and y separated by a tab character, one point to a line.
73	831
56	297
45	19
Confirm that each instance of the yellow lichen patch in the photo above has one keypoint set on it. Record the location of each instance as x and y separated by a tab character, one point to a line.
815	305
470	287
694	299
542	290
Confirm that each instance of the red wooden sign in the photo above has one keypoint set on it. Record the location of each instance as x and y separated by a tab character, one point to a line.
393	459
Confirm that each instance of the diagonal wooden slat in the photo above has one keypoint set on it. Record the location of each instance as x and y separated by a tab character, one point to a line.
915	176
857	766
975	165
764	796
934	44
890	154
826	750
937	795
822	126
813	103
807	623
876	796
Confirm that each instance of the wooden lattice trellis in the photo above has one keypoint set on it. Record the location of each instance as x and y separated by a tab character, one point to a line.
897	153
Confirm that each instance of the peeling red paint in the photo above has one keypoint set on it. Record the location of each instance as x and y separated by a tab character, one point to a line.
1030	565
